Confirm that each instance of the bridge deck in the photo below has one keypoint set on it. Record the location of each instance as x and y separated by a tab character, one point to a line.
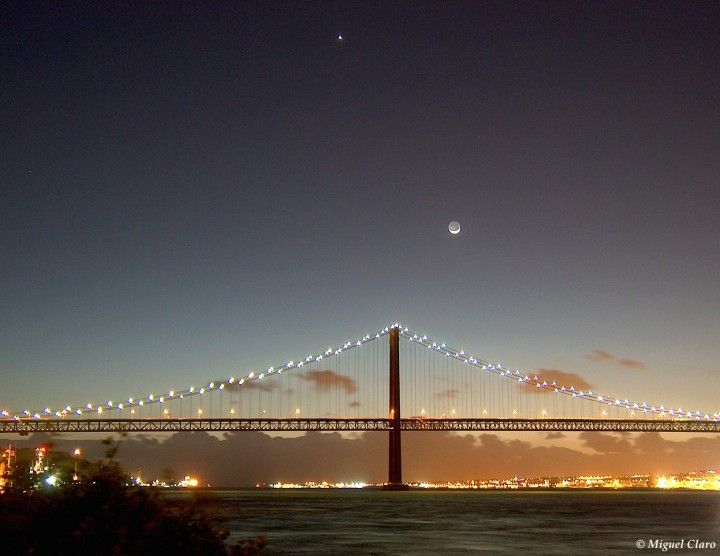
27	426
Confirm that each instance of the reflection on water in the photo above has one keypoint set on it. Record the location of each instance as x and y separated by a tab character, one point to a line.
376	522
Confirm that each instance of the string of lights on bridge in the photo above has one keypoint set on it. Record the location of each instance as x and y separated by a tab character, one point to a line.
529	380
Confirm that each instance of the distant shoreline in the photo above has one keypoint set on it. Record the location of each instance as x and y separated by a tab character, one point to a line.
443	489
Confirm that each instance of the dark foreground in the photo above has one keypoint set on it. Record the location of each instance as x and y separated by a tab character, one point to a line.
415	522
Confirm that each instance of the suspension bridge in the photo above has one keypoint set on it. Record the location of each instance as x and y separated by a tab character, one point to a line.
359	386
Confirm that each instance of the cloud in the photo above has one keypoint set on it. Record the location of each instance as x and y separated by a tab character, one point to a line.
562	378
450	393
554	435
606	357
330	380
262	385
247	458
606	443
631	363
600	355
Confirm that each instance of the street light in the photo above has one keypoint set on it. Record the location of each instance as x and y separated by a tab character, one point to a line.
76	453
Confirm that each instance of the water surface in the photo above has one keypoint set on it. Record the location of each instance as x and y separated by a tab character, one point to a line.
463	522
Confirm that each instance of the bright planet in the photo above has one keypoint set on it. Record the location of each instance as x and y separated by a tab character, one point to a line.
454	227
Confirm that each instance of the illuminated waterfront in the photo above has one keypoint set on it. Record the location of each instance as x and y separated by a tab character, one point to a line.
694	480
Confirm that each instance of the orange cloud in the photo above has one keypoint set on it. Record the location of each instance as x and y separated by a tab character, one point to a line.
330	380
600	355
562	379
606	357
631	363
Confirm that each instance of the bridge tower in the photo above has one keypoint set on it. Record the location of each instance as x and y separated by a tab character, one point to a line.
394	445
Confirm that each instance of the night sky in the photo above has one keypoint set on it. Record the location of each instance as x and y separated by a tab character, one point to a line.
191	190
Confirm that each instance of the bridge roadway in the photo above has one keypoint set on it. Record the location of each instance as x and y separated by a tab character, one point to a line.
27	426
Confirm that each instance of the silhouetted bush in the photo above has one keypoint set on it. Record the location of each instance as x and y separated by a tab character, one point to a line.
101	515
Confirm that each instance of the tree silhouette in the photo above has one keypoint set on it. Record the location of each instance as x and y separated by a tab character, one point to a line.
101	514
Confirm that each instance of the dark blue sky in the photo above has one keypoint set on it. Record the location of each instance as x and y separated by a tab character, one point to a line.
189	190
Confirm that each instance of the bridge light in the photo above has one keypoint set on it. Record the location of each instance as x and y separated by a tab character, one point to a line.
151	397
211	385
89	406
192	389
141	403
130	400
232	411
120	406
222	386
132	411
171	393
202	390
166	412
199	411
99	409
297	411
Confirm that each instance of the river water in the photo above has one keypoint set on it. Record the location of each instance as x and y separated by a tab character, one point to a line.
463	522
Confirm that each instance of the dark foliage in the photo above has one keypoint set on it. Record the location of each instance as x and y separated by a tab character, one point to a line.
102	515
